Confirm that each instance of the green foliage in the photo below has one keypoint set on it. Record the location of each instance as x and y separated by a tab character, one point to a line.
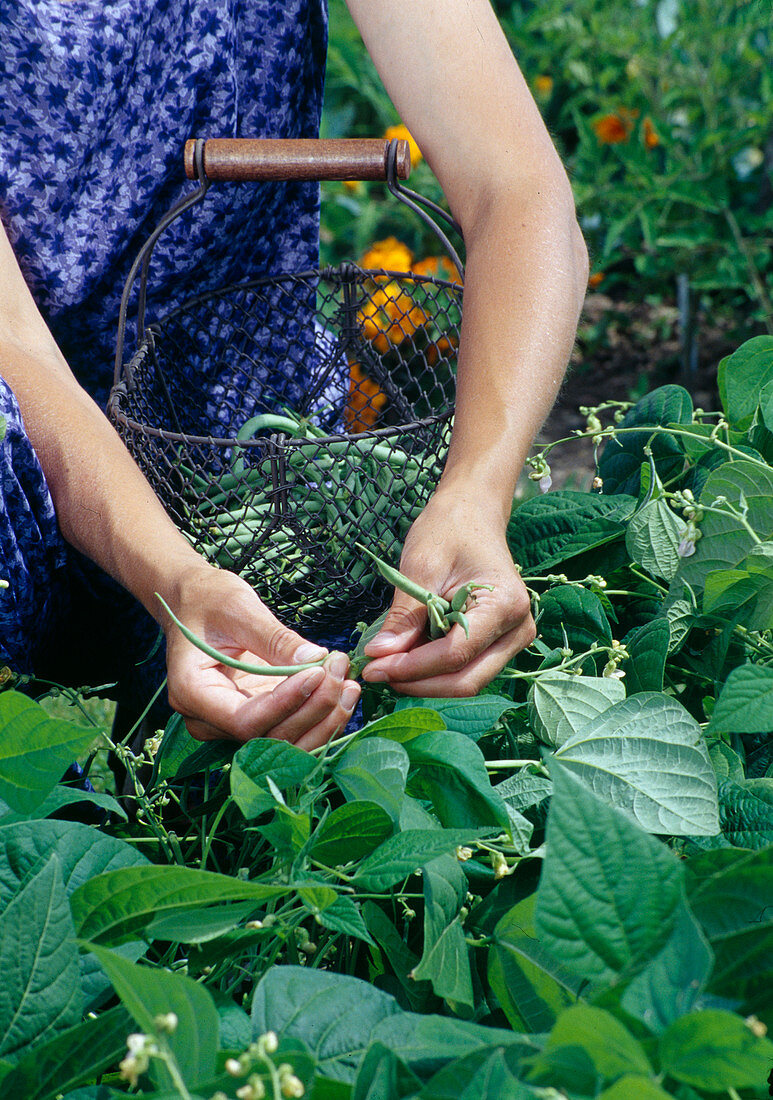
562	884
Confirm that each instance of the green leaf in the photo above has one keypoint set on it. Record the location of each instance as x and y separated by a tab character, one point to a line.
118	905
473	717
198	925
576	615
292	1001
482	1075
176	746
648	649
350	832
550	529
344	916
622	457
148	992
653	537
725	541
35	750
609	893
446	958
647	757
741	376
561	704
416	717
287	765
532	986
382	1074
631	1087
715	1050
730	894
727	764
70	1058
670	986
82	852
746	812
400	957
609	1046
60	797
402	855
375	770
523	790
745	592
745	703
680	616
40	992
452	773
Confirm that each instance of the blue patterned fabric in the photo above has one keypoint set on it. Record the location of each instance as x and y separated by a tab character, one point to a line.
97	98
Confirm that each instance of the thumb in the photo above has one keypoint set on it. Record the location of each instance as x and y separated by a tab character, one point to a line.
403	625
283	646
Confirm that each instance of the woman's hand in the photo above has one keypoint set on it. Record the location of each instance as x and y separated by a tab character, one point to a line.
219	702
453	543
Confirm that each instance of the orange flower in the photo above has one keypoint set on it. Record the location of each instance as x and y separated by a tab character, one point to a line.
390	254
596	279
651	138
442	348
402	133
366	400
389	316
439	267
614	129
543	85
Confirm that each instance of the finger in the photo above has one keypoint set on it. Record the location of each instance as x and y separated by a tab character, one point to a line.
335	722
217	708
331	704
404	624
475	675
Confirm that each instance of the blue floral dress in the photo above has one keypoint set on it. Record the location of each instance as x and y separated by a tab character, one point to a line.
97	98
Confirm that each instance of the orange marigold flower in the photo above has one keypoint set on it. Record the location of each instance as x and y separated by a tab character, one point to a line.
390	254
402	133
596	279
543	84
651	138
616	128
389	316
439	267
366	400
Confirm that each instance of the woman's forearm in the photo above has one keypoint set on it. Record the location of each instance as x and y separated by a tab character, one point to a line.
525	283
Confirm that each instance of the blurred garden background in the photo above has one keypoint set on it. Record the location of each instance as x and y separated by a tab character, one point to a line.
662	111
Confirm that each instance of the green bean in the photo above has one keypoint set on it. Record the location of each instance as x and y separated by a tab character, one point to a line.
231	662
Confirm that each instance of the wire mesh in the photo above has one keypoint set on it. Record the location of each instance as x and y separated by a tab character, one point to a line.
284	419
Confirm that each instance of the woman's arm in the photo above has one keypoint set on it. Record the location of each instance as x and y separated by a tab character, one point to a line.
454	81
107	510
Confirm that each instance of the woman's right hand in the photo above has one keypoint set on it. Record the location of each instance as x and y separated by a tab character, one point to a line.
218	702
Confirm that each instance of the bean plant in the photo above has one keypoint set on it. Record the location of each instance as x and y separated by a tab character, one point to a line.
560	888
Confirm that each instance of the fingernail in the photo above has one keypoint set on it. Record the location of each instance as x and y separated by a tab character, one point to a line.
386	637
308	652
311	680
338	666
349	697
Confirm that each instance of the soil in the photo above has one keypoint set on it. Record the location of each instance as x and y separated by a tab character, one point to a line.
624	350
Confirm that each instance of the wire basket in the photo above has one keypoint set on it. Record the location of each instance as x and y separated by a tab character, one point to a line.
315	407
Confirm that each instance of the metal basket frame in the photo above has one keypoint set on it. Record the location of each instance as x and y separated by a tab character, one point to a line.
278	448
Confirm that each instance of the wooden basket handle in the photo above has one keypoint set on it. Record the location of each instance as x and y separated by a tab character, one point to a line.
237	159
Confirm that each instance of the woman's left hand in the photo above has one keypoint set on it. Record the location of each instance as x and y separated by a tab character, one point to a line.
452	543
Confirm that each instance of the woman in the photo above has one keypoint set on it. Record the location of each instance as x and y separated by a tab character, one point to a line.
98	103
